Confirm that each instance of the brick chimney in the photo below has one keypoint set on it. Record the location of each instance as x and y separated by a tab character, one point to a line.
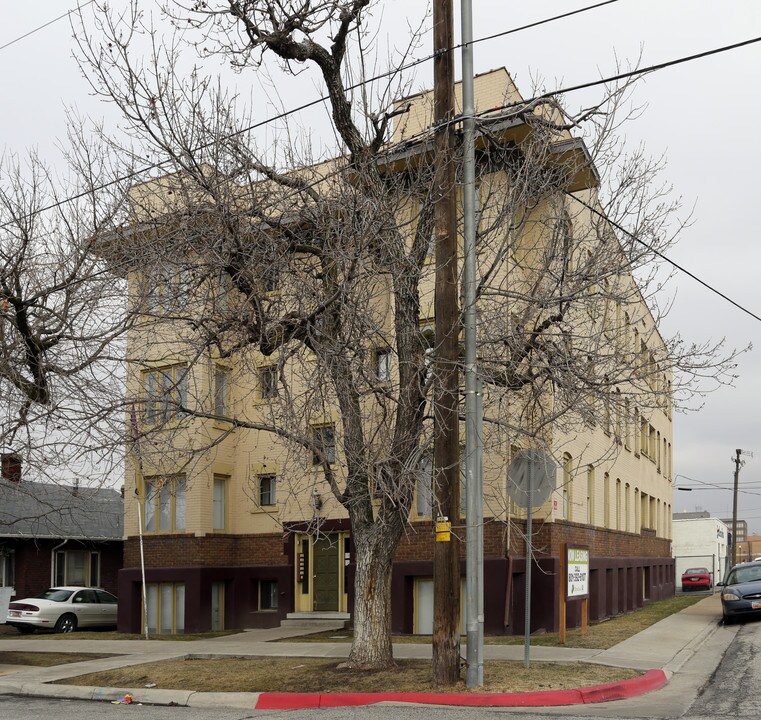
10	467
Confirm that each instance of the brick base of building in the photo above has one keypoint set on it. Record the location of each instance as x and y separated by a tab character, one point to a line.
626	571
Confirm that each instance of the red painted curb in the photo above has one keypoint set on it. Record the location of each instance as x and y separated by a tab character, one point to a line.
651	680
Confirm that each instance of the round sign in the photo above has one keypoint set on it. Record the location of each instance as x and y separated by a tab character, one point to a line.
531	477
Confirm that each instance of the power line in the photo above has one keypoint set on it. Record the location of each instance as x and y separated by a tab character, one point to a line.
574	88
628	74
279	116
49	22
664	257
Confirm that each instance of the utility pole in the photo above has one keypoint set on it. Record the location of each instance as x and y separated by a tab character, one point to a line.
446	449
738	464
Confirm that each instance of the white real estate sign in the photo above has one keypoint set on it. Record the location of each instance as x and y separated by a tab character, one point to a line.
577	581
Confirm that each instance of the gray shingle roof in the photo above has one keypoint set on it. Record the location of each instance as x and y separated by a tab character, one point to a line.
39	510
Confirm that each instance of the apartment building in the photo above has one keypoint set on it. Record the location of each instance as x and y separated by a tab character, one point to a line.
240	451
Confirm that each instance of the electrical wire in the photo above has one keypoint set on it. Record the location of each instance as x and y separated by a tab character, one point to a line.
280	116
48	23
561	91
663	257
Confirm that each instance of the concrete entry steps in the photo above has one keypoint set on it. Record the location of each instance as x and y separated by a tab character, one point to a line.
316	621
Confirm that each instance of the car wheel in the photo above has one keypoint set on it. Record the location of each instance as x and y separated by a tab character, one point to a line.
26	629
727	620
66	624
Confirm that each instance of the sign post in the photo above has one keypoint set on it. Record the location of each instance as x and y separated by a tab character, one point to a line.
574	584
532	475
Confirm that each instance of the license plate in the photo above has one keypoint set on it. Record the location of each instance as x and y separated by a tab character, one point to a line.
756	605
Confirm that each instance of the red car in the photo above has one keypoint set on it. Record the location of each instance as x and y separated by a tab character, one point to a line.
696	579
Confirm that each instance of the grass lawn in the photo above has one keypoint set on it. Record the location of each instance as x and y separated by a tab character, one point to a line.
601	635
319	675
44	659
7	633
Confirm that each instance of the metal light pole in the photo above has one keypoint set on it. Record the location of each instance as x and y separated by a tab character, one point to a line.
474	625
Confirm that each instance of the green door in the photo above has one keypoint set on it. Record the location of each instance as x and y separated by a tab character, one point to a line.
325	555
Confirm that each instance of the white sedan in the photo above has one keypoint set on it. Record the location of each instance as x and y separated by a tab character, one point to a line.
63	609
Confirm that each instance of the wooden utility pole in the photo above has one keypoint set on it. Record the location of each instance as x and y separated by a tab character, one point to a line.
738	464
446	559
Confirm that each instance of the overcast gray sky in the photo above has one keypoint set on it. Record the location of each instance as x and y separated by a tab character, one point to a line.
704	115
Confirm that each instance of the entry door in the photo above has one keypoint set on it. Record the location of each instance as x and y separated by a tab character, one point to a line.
325	557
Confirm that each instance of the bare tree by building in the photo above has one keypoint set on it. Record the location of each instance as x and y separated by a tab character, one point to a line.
309	287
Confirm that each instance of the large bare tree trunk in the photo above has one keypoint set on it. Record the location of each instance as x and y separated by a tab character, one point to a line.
371	647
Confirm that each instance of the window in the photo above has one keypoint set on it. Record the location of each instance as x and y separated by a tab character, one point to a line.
270	277
168	289
636	430
164	504
618	503
590	495
606	500
567	486
424	500
324	444
627	507
166	393
383	366
219	503
223	292
268	381
425	208
221	390
7	567
268	594
637	518
267	485
166	608
76	567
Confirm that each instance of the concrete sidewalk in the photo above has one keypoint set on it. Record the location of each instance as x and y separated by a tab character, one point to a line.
665	646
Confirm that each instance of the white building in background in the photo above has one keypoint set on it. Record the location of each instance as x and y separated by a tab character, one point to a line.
699	542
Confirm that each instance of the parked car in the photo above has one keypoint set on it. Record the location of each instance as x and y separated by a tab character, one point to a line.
697	578
741	592
63	609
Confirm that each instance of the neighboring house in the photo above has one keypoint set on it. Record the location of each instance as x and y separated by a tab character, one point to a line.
57	534
700	542
231	539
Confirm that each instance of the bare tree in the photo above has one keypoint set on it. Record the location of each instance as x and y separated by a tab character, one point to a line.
320	272
62	317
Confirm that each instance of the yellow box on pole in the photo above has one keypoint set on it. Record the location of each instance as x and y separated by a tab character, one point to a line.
443	530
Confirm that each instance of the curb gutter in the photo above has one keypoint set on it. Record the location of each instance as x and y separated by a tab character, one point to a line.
651	680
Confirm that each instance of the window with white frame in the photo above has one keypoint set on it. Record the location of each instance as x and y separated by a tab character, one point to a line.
219	503
164	504
166	393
